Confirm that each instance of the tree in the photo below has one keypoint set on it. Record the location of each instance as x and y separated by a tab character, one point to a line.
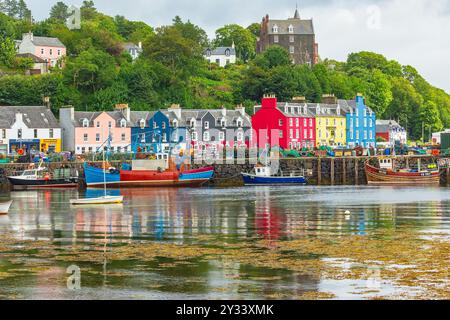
7	52
11	8
255	29
88	10
243	39
23	12
273	57
59	12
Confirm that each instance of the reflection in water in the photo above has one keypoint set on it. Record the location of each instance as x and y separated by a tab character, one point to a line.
183	216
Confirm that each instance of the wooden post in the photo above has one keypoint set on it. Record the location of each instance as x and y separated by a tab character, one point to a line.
356	172
332	171
319	171
448	175
344	171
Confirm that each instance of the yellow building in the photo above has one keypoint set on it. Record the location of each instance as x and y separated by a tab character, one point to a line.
331	125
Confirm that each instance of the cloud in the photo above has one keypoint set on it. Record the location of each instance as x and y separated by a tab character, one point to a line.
413	32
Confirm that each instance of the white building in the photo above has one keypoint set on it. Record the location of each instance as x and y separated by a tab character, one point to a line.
221	55
29	129
437	136
133	49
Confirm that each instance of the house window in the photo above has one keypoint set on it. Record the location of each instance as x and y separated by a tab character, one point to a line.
371	123
175	123
365	135
365	122
240	136
310	122
218	61
206	125
59	52
305	133
227	52
275	29
192	123
304	122
124	136
35	133
142	123
296	122
51	51
280	122
98	124
291	134
310	133
97	137
357	135
90	149
109	124
291	29
291	122
83	150
3	133
163	125
85	123
119	149
194	136
19	133
281	134
85	137
123	123
291	39
276	39
143	137
206	136
291	49
297	133
51	133
221	136
223	123
357	123
371	135
42	51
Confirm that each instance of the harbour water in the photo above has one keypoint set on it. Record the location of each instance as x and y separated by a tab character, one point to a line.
236	243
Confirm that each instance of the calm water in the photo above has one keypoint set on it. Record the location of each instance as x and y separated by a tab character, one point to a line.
211	218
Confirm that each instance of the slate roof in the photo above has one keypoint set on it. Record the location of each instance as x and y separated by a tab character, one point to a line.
36	59
35	117
220	51
80	116
385	126
47	42
302	27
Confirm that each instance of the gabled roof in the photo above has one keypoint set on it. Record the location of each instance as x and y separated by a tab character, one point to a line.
220	51
386	125
47	42
35	117
80	116
302	27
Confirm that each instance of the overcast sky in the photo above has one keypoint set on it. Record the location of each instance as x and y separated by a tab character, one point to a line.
415	32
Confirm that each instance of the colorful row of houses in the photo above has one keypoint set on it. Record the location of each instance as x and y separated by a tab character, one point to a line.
291	125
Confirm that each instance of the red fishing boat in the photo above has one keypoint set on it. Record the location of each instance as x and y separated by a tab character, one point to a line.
387	174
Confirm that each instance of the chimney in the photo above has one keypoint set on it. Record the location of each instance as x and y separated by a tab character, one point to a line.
28	35
176	108
124	108
224	111
240	108
329	99
359	98
298	99
269	101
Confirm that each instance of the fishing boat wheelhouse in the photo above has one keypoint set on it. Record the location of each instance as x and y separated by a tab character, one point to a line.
41	177
387	173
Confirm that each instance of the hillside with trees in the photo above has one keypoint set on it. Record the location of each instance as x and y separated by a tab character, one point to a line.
99	74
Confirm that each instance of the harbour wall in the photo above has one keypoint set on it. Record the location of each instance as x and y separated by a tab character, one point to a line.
319	171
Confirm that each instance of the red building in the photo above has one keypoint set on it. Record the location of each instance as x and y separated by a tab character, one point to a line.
289	125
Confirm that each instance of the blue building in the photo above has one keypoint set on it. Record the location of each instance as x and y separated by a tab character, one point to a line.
361	123
150	131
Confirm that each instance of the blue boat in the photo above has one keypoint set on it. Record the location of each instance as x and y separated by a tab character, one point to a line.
262	175
96	176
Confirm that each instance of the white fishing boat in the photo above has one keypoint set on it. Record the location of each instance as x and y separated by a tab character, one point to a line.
100	200
4	207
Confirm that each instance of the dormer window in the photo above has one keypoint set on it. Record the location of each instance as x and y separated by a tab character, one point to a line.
123	123
155	125
240	122
227	52
208	53
206	125
275	29
338	111
85	123
163	126
305	109
223	123
175	123
291	29
142	123
192	123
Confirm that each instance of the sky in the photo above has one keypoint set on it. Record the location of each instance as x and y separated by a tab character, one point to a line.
413	32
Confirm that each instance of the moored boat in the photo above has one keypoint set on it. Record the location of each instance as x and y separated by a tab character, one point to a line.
4	207
38	178
141	177
263	175
97	201
387	174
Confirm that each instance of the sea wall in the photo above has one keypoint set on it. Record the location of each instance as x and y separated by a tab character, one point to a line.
319	171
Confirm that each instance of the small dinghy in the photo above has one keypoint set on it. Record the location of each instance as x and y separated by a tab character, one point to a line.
4	207
100	200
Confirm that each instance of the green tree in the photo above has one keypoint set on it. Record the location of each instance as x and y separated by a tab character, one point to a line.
59	12
243	39
273	57
255	29
7	52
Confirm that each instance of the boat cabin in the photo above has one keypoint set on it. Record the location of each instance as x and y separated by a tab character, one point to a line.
386	163
263	171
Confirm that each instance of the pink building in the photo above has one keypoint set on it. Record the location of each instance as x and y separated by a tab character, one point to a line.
289	125
86	132
49	49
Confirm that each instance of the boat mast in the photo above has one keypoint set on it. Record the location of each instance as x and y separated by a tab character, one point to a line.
104	173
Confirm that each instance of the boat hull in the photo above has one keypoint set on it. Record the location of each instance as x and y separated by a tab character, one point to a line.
250	179
135	179
96	201
4	207
18	183
375	176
